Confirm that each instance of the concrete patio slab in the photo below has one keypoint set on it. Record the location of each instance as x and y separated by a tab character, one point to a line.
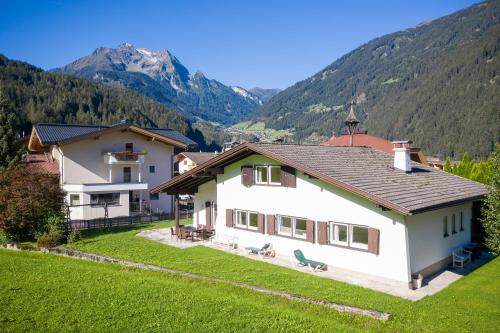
431	285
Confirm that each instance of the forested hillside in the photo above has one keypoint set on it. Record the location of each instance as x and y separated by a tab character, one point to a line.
436	84
38	96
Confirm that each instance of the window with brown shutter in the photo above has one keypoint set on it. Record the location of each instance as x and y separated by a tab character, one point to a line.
271	225
310	231
247	175
373	240
260	223
288	178
323	233
229	218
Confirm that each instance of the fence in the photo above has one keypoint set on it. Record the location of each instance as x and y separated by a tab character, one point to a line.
122	221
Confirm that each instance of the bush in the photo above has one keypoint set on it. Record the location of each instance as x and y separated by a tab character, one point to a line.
74	236
49	239
491	208
4	239
26	199
53	231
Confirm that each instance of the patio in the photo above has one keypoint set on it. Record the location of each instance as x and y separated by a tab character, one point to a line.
430	286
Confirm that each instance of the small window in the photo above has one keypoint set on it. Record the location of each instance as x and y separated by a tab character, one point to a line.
74	199
445	226
185	162
275	174
300	228
359	237
261	174
252	220
154	196
241	218
461	221
285	225
339	234
127	175
453	225
129	147
152	169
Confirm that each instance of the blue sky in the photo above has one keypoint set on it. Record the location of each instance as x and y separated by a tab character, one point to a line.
246	43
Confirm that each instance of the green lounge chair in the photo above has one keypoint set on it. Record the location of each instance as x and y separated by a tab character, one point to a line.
313	265
266	250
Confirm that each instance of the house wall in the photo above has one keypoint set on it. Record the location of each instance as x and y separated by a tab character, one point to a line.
429	250
315	200
89	212
82	162
186	164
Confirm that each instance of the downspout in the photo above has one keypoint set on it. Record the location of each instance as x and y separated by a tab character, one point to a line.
408	256
61	165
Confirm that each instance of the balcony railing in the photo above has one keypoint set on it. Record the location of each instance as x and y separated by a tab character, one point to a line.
124	157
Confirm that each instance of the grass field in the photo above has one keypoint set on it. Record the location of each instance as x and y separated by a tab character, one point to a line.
37	282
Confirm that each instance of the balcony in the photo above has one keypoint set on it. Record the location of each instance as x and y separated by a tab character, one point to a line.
124	157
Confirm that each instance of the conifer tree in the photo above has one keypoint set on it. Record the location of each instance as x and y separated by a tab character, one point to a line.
10	150
491	208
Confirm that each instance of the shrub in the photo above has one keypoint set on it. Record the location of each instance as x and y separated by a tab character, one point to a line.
491	208
26	199
74	236
4	239
49	239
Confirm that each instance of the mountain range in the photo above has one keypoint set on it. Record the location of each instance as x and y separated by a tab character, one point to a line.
162	77
436	83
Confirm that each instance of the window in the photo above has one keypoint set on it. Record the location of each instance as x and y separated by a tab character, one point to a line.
268	174
453	225
247	220
185	162
261	172
127	175
152	169
359	237
461	221
300	228
105	198
338	234
445	226
129	147
74	199
154	196
252	220
292	226
241	218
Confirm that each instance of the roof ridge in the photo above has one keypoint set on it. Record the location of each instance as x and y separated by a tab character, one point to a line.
72	125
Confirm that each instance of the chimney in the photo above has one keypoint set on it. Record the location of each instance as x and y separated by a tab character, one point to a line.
402	159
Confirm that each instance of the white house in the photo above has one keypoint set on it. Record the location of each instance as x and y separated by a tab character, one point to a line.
189	160
113	165
351	207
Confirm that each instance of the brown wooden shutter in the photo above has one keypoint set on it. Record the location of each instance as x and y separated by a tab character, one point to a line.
323	233
373	240
208	214
247	175
310	231
271	224
288	178
229	218
260	223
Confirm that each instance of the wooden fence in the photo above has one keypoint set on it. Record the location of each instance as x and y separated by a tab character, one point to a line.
122	221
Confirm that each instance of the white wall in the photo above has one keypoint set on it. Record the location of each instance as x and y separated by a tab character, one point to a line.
426	241
206	192
186	164
315	200
83	163
89	212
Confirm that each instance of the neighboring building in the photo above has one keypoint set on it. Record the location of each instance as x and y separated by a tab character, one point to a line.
190	160
116	165
361	138
356	208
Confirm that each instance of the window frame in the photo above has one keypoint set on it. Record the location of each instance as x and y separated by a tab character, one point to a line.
461	221
357	245
115	195
246	213
152	167
453	224
293	227
154	196
279	231
71	195
268	181
332	239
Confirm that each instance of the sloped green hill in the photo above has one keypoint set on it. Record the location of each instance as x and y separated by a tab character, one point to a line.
38	96
436	84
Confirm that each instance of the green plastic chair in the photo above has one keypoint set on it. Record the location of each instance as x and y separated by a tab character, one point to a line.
303	261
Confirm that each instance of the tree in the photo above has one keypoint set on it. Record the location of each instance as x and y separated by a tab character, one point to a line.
10	149
491	208
27	199
447	165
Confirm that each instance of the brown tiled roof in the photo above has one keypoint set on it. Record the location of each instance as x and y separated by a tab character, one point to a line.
362	140
198	158
366	172
40	163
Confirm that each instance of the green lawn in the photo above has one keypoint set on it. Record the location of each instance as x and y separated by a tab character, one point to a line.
471	304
